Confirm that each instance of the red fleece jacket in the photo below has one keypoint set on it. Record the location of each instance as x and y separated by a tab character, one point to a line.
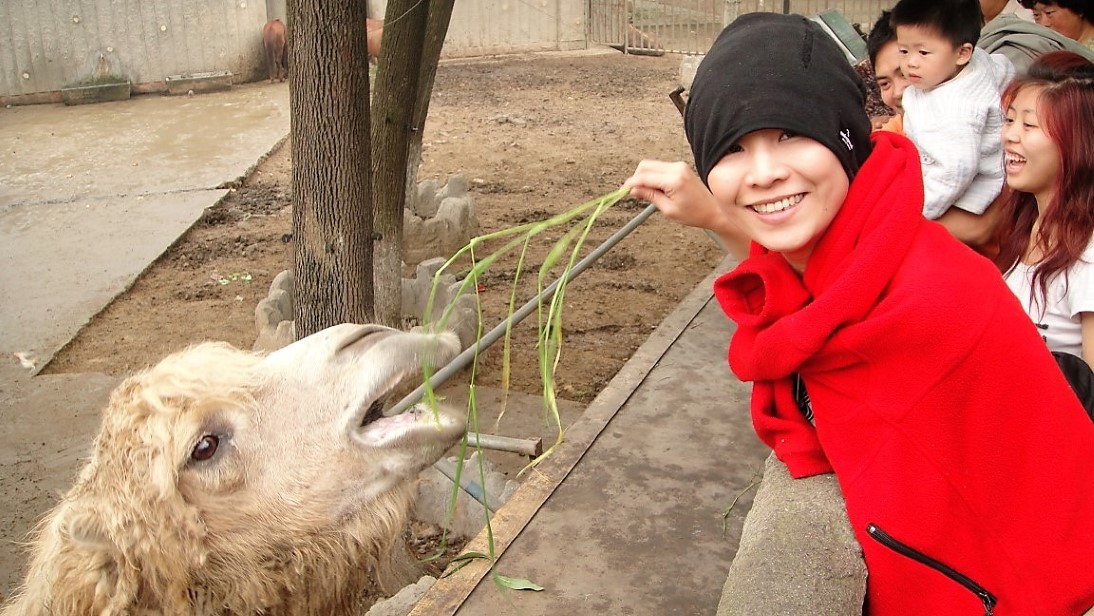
966	461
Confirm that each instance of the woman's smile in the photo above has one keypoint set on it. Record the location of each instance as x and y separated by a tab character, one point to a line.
778	205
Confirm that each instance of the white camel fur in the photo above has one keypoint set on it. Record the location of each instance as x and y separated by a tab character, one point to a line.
227	482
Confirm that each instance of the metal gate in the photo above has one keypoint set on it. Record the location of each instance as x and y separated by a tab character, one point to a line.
654	27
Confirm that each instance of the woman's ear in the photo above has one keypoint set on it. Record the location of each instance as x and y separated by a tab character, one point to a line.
964	54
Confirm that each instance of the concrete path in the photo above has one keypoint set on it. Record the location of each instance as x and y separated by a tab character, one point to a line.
93	194
90	196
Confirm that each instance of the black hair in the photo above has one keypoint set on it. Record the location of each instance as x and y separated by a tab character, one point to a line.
1082	8
958	21
881	34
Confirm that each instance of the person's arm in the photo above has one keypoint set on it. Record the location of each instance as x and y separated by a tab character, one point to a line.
682	197
951	157
975	230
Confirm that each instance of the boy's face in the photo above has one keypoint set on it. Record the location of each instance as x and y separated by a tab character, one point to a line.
782	190
927	59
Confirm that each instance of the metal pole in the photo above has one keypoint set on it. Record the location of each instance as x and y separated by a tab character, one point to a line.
530	447
465	358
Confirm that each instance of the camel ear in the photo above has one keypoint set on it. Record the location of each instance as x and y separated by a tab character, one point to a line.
88	529
86	526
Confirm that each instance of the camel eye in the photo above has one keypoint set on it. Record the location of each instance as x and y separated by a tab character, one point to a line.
206	448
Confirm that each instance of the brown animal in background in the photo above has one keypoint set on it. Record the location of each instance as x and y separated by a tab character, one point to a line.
228	482
275	42
374	32
643	42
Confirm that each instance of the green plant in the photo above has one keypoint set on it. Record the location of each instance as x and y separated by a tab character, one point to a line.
564	252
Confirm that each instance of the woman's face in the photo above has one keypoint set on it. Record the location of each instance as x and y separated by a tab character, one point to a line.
782	189
1065	21
1032	157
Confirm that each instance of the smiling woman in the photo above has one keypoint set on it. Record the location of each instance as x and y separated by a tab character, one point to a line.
1046	247
873	341
786	189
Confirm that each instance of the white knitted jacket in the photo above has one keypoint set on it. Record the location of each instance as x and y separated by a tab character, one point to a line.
957	128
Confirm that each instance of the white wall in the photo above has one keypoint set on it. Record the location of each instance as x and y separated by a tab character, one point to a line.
56	43
487	27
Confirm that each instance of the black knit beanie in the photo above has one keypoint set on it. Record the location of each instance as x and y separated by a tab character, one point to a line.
768	70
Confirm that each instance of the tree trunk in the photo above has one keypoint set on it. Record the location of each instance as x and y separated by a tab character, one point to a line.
440	15
332	222
396	90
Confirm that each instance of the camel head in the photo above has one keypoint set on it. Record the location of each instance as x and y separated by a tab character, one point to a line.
224	481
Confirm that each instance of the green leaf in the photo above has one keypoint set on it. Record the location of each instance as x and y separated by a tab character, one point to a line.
516	583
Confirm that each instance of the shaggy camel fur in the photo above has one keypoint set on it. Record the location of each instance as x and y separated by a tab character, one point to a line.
225	482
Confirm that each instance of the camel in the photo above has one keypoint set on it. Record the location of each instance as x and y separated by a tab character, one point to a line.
229	482
275	44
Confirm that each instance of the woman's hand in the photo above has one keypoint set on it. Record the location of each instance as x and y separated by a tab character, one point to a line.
682	197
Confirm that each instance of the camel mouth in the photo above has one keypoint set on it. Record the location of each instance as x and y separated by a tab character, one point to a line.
384	398
420	426
374	412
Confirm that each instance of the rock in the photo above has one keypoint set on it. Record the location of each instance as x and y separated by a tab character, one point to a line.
688	67
404	601
435	492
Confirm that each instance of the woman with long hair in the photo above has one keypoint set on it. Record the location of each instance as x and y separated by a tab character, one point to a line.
1046	252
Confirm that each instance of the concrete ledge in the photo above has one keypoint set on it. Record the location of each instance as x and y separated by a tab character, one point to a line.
798	553
97	93
199	83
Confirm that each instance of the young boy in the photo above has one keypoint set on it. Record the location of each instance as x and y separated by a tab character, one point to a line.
951	110
930	394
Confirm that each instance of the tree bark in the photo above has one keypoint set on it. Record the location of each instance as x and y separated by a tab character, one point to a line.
440	15
329	123
392	123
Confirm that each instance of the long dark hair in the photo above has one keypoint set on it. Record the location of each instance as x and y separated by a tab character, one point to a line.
1066	104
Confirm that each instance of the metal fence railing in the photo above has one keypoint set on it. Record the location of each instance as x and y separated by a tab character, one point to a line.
690	26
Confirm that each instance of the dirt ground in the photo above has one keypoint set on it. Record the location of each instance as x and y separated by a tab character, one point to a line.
535	136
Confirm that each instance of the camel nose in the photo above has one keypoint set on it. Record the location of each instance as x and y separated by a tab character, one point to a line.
362	336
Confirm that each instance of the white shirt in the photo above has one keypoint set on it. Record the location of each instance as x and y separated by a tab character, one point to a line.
956	128
1058	321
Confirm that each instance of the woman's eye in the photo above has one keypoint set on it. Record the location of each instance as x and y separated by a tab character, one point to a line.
206	448
783	136
735	148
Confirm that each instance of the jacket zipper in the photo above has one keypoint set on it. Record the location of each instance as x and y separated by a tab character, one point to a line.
989	600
